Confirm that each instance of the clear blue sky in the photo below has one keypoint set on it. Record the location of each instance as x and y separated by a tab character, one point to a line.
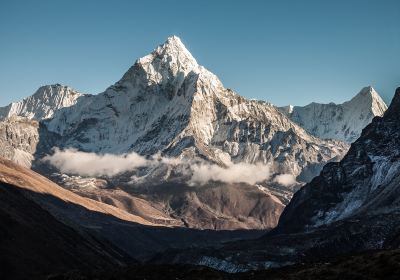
281	51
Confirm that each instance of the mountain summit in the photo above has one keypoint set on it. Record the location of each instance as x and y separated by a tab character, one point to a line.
170	60
43	103
167	103
339	121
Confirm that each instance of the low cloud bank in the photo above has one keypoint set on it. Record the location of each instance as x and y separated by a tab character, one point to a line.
286	180
90	164
72	161
235	173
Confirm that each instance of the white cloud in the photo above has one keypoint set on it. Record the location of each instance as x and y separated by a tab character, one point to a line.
235	173
90	164
286	180
72	161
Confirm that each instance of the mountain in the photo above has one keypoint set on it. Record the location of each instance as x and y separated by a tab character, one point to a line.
176	118
338	121
353	206
43	103
168	103
160	164
364	184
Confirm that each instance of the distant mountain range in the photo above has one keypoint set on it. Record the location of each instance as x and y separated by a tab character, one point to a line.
339	121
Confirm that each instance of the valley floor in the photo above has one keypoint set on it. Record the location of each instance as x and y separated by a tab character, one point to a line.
383	264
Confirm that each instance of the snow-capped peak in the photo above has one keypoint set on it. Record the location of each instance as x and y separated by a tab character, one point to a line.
170	63
173	45
174	52
369	99
366	93
339	121
43	103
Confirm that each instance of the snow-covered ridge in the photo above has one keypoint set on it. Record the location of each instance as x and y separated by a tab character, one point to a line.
43	103
339	121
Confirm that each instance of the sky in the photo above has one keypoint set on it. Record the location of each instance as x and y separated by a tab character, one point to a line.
285	52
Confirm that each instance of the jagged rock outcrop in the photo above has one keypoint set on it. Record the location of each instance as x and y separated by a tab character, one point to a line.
18	139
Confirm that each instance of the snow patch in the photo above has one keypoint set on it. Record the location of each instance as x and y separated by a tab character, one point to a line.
383	171
221	265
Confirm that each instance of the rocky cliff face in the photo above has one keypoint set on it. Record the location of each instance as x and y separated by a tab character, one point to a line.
365	182
339	121
18	139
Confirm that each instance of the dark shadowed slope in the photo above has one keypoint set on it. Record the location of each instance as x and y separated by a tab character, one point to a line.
364	184
33	242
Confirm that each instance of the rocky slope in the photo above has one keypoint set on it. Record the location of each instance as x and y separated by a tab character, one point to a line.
18	139
339	121
36	239
27	179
